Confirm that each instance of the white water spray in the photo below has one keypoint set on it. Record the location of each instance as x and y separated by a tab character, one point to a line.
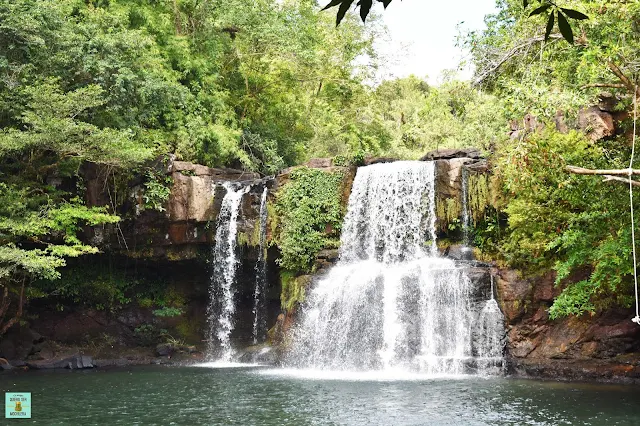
225	263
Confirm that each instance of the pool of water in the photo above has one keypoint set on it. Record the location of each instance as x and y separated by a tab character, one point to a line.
260	396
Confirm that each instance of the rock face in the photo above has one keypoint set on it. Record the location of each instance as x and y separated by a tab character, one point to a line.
601	347
187	224
450	165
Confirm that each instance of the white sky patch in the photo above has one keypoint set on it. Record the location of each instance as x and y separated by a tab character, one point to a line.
422	36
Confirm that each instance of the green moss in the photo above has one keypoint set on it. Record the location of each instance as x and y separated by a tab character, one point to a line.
478	195
448	210
293	289
176	254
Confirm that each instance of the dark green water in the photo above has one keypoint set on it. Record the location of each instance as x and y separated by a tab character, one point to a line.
245	396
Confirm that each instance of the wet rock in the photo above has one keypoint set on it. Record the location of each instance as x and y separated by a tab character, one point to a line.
164	349
169	349
76	362
618	371
259	354
459	252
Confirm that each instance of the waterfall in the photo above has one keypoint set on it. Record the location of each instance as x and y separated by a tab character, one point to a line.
490	335
225	262
390	303
259	294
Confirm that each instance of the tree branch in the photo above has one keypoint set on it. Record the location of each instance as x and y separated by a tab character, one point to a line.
612	85
583	171
609	178
4	305
514	51
7	325
630	85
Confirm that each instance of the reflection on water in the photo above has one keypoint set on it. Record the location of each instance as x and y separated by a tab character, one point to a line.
258	396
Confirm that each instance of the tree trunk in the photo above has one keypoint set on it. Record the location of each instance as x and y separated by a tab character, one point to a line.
7	325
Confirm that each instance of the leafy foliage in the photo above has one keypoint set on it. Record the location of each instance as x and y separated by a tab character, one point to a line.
574	224
157	189
309	212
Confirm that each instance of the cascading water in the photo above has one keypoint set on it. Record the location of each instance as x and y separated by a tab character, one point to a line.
225	262
260	292
490	335
390	303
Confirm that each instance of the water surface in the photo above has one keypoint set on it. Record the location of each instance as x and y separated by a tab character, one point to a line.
259	396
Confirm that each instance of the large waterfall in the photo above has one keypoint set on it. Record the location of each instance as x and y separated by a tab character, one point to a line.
391	303
225	262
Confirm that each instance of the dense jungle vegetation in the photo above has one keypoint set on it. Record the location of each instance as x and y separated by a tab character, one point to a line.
266	84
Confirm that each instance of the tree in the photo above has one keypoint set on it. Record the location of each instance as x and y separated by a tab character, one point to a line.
39	221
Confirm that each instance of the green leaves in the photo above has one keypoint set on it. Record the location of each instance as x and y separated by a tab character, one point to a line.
574	14
563	24
565	28
550	23
554	222
540	9
344	5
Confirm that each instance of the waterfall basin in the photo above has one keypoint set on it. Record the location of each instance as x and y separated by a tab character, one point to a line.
254	396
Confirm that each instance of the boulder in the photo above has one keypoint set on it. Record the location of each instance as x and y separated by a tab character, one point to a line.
164	349
191	198
319	163
19	342
607	102
378	160
597	124
449	153
459	252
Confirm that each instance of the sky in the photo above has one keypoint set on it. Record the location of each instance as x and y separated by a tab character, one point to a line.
422	35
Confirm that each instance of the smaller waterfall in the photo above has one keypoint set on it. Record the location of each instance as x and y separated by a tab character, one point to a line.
225	262
260	292
490	341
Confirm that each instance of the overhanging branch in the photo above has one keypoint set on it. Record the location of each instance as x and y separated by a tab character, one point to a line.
514	51
582	171
609	178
